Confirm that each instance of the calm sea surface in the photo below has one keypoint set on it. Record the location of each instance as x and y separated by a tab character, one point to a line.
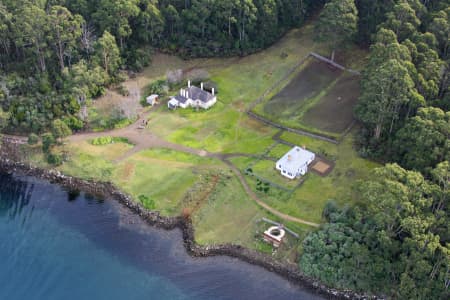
60	245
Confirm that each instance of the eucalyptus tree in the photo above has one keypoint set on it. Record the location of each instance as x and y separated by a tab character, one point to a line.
440	27
424	140
6	19
385	91
149	23
31	30
402	20
337	24
65	33
108	54
394	242
427	63
246	19
114	16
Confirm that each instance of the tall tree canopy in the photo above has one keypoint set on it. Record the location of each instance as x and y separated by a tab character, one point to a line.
337	23
386	91
412	33
424	141
75	48
394	242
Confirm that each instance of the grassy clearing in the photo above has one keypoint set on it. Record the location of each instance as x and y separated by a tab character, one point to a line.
308	200
328	150
111	112
278	151
162	175
93	162
265	169
229	217
220	129
225	127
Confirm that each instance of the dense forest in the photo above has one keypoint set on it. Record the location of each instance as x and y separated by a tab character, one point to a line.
57	54
395	240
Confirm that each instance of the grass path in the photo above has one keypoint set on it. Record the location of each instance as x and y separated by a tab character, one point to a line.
253	196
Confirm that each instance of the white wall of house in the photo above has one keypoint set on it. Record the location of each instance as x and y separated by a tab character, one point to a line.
295	163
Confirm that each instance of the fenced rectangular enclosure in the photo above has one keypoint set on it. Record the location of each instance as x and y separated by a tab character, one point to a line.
319	99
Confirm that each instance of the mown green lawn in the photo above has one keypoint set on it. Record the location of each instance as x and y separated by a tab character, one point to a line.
265	170
93	162
278	151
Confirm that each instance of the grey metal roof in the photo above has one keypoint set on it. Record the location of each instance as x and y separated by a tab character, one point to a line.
181	99
196	93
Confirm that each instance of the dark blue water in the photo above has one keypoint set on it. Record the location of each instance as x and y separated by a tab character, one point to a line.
60	245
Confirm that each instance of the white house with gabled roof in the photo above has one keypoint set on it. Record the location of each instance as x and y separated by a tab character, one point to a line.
193	96
295	162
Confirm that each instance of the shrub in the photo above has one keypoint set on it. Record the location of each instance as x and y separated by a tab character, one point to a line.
106	140
60	129
123	123
73	122
122	90
209	85
147	202
33	139
55	159
48	141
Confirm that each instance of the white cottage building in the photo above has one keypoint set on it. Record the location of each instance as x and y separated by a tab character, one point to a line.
193	96
295	163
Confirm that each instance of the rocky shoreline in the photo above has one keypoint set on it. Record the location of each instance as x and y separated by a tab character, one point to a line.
108	190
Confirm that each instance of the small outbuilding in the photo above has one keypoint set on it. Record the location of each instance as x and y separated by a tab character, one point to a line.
274	235
153	99
295	163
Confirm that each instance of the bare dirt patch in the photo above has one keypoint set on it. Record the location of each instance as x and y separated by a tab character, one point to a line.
334	112
322	167
314	78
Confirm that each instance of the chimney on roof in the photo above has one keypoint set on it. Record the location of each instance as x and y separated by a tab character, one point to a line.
201	86
189	83
289	157
181	92
212	91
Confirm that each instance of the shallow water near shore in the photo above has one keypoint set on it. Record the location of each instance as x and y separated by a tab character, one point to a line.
60	245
